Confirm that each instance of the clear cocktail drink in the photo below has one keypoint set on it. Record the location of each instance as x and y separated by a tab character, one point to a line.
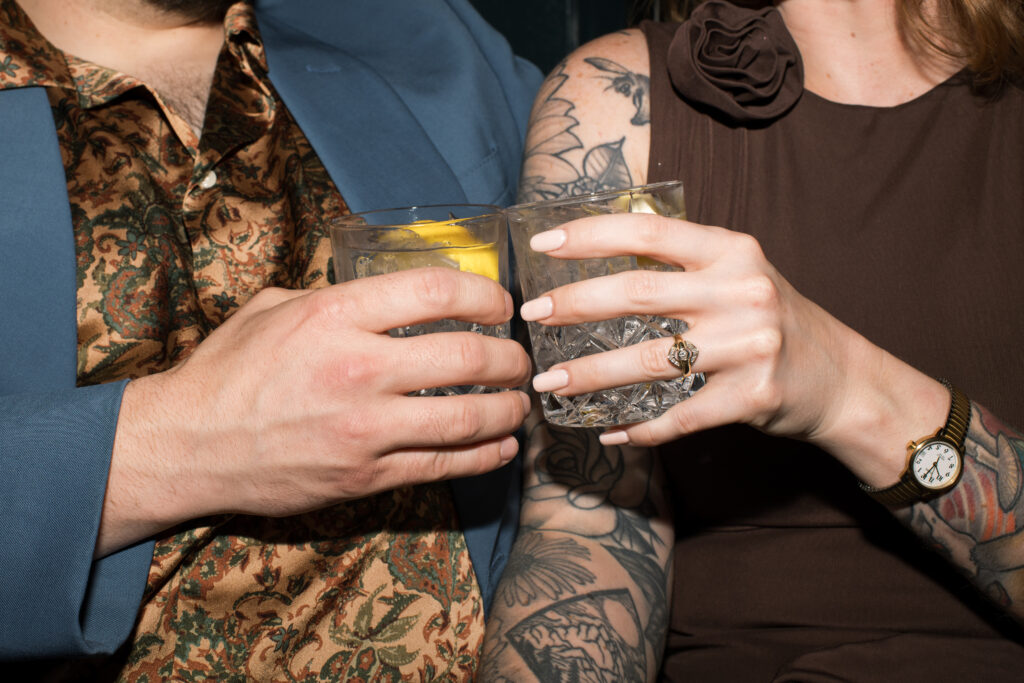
471	238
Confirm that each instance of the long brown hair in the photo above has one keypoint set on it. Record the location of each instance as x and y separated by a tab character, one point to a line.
987	36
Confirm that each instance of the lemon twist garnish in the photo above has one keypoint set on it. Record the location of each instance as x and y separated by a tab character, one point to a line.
471	255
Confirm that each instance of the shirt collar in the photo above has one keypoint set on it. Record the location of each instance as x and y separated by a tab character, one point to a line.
26	57
29	59
241	32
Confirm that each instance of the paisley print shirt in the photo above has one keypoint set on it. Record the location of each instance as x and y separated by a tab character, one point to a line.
174	233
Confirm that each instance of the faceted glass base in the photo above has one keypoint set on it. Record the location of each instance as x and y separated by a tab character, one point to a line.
623	405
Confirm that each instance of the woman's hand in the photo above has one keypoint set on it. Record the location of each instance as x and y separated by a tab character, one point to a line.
773	359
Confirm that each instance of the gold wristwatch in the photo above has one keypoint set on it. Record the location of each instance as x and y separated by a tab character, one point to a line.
935	462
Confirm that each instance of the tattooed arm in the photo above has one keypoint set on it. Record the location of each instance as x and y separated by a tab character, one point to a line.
585	594
590	125
586	591
978	525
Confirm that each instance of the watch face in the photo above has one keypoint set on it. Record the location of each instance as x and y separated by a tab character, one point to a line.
936	464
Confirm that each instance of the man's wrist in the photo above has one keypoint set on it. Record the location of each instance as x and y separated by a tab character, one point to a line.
145	484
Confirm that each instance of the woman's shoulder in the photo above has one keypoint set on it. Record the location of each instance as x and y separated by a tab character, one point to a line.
628	47
590	125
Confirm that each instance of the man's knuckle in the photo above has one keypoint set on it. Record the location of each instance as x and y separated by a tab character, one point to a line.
439	465
437	288
325	309
353	370
455	424
362	480
358	428
467	351
430	423
270	296
467	424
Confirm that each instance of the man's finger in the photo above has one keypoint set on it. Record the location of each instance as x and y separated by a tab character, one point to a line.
455	359
438	422
417	466
412	297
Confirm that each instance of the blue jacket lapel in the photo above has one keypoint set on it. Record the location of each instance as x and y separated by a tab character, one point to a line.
375	151
38	334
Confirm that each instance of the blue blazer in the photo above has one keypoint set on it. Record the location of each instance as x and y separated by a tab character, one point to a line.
406	102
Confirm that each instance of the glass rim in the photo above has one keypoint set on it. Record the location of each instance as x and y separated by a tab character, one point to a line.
590	197
343	222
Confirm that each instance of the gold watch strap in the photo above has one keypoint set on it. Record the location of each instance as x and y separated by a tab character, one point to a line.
907	490
959	417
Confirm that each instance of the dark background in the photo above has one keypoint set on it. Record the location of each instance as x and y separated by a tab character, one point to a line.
545	31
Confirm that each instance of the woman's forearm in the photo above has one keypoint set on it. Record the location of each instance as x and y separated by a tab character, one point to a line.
978	524
586	588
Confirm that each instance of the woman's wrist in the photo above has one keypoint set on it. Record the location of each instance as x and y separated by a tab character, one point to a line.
883	408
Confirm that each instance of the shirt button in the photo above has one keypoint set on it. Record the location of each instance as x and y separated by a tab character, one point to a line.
209	180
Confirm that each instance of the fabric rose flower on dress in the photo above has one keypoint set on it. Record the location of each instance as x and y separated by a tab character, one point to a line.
738	61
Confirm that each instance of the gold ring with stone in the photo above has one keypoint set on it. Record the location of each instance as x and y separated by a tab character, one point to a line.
682	355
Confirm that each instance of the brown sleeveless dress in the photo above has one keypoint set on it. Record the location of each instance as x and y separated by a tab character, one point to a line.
906	223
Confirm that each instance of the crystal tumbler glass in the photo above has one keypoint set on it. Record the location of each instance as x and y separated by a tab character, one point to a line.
467	237
538	273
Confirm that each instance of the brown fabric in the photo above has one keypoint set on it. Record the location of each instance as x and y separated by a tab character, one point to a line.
907	223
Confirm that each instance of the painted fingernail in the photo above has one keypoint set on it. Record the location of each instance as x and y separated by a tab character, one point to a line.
509	448
537	309
551	380
548	241
614	438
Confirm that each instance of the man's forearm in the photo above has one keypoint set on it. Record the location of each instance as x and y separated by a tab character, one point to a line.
977	525
586	589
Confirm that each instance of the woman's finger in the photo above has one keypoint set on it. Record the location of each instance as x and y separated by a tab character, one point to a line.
645	362
669	294
673	241
715	405
722	345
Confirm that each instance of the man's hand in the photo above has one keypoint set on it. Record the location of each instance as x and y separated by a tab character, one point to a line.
300	401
